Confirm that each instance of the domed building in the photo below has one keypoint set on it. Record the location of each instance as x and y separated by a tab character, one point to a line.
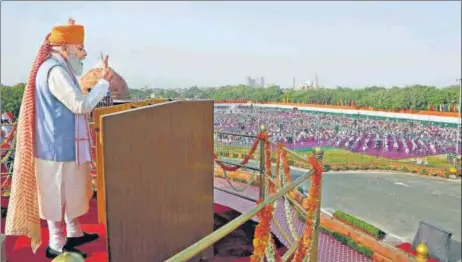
119	88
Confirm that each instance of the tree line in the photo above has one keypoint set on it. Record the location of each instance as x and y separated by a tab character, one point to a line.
416	97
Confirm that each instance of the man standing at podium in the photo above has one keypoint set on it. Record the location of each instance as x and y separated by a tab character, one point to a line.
51	178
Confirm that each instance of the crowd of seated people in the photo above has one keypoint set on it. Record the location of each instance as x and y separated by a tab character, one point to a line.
299	129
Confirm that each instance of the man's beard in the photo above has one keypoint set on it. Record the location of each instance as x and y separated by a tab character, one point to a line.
76	64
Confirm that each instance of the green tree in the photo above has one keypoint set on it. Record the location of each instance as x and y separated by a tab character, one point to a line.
12	98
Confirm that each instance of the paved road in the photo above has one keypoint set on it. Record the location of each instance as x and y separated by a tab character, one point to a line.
395	202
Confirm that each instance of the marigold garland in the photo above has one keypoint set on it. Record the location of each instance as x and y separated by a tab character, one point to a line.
10	136
262	136
263	240
305	242
262	232
268	166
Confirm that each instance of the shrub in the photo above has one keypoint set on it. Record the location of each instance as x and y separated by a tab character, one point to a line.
235	155
424	172
291	162
348	241
335	169
358	223
414	171
405	169
393	168
326	168
384	167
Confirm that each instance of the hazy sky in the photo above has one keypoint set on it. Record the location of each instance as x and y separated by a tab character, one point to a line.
180	44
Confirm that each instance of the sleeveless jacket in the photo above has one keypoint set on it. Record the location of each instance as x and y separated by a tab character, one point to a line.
55	123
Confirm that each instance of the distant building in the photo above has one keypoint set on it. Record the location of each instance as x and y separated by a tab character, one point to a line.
250	81
307	85
253	82
262	82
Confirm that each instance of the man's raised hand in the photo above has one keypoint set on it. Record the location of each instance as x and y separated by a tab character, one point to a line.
107	71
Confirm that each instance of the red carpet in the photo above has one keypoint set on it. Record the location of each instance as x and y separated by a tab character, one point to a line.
407	247
18	248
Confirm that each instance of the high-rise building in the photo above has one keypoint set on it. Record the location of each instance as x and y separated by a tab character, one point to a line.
262	82
254	82
250	81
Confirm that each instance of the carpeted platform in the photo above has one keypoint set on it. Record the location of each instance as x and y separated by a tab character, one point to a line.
18	248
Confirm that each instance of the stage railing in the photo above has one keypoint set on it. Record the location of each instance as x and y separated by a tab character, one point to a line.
256	161
7	151
211	239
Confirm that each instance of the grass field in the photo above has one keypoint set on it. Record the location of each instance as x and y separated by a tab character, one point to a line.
341	156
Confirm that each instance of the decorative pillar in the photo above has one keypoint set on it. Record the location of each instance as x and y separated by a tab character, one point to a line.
453	172
421	252
318	152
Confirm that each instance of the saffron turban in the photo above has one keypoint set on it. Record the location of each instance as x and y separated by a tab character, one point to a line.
67	34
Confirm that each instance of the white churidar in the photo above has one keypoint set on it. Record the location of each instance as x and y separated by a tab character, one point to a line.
57	236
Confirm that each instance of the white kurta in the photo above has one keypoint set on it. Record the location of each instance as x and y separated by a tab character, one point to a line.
66	186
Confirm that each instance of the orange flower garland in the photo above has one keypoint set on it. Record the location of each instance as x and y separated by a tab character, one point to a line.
9	137
268	167
262	232
306	240
262	136
263	236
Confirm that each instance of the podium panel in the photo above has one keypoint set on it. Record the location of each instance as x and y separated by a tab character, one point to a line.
158	169
97	115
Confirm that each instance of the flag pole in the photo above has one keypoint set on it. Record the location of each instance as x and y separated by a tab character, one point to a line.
459	124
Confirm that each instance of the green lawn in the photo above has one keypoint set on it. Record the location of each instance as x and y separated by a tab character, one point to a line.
341	156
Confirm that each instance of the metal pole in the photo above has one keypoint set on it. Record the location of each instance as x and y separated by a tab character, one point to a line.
460	120
262	166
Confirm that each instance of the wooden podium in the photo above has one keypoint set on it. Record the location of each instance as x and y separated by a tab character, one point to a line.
158	180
